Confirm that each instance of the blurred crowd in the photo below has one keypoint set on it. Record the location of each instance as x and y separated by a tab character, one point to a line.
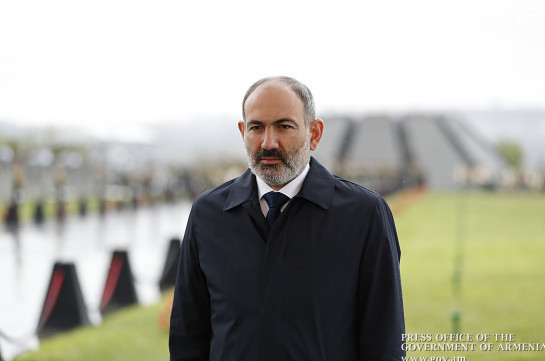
44	182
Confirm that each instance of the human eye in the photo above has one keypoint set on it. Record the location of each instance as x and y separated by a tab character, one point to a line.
285	126
255	127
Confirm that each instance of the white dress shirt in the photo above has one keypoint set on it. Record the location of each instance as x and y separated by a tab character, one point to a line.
291	189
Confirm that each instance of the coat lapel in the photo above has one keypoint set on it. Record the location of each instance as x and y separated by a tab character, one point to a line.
244	193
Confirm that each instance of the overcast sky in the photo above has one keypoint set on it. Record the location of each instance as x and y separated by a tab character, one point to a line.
101	63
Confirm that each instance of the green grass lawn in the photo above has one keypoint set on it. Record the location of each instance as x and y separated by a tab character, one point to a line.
501	238
126	335
498	239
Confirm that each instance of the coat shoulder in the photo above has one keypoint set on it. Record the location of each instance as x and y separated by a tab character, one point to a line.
216	195
356	191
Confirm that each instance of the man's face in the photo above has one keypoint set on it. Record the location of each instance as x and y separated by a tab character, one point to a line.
277	142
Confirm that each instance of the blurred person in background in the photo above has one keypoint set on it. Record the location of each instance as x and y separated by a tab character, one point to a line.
17	195
287	261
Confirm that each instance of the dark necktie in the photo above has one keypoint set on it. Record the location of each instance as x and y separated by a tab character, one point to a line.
275	200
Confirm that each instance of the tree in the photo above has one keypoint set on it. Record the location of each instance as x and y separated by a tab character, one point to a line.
511	152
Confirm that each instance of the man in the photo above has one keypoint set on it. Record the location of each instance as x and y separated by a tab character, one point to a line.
312	276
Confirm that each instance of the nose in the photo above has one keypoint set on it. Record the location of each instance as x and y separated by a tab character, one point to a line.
270	140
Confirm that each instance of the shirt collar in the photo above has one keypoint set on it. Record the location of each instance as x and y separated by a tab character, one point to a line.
318	187
291	189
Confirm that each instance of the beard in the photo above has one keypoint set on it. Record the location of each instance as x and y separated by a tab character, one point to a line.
290	166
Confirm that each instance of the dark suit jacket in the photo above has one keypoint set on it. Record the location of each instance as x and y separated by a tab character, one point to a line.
321	284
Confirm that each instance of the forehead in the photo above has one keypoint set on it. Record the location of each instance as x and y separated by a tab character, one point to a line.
273	101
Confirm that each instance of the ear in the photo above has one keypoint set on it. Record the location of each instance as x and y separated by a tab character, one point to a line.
241	128
316	131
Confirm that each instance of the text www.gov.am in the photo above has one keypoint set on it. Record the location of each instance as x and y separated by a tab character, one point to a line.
433	358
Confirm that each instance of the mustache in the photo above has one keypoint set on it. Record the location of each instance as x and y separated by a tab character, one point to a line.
276	153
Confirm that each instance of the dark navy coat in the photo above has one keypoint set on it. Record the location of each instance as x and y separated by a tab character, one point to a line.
321	284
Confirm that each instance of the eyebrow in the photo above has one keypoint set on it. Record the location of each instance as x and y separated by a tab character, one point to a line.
283	120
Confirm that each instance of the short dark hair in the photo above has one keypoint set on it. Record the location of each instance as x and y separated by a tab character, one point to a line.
296	86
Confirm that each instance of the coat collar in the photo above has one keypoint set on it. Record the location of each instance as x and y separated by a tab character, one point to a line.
242	190
318	187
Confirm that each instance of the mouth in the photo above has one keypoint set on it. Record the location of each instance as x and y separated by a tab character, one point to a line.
270	160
